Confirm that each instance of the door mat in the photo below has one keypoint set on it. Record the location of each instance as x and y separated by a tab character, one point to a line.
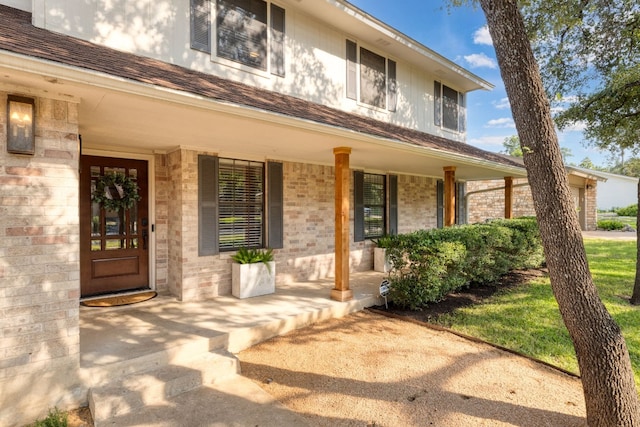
120	300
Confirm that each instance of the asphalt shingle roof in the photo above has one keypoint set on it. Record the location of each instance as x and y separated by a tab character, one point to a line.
19	36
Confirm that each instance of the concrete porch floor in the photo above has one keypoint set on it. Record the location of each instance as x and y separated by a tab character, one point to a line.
119	340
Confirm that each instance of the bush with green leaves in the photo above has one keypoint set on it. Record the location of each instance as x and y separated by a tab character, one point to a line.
56	418
428	264
610	225
250	256
631	210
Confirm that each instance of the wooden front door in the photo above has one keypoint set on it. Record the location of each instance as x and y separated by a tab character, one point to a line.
114	244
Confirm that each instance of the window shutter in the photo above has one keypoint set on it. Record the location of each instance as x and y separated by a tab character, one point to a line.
462	113
461	206
437	104
277	40
393	86
393	204
201	25
358	206
440	204
207	205
275	230
352	70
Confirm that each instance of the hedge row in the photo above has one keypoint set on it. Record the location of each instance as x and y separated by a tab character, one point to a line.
428	264
631	210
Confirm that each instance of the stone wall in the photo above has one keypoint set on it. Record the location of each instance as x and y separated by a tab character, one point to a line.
39	267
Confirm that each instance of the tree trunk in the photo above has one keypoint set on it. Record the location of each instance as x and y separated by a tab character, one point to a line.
635	298
607	376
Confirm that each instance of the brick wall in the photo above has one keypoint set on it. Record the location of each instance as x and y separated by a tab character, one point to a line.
490	204
39	267
309	241
416	203
162	191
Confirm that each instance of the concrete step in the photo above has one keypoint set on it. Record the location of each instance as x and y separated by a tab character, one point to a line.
98	374
135	391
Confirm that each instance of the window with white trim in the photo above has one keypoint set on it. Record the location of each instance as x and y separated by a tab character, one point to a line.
232	203
248	32
241	204
371	78
375	205
449	108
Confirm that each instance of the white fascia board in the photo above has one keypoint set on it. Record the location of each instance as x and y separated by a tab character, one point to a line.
96	79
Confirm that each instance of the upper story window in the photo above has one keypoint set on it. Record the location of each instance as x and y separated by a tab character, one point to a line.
248	32
371	78
449	109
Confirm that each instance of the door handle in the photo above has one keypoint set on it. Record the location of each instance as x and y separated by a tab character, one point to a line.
145	236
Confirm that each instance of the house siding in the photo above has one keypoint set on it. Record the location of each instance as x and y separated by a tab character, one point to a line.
39	265
315	62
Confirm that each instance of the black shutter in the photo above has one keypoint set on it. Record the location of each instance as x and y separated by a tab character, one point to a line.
275	206
393	204
437	104
201	25
358	206
352	70
440	204
207	205
393	85
277	40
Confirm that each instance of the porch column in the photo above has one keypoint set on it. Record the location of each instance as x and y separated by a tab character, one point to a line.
449	195
341	292
508	197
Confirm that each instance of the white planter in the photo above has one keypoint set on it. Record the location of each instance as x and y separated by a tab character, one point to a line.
252	280
380	261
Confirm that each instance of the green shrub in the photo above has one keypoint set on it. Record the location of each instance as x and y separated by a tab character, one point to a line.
250	256
56	418
631	210
428	264
610	224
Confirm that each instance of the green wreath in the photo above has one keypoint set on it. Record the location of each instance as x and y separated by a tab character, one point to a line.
115	191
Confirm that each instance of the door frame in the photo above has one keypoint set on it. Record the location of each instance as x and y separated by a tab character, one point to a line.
150	158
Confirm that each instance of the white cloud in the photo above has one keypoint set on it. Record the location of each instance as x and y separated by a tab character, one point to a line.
575	127
479	60
487	141
502	103
482	36
504	122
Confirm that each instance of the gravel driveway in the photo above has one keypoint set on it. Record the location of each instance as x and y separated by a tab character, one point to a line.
370	370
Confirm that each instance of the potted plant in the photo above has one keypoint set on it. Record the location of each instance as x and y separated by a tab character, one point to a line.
253	273
381	262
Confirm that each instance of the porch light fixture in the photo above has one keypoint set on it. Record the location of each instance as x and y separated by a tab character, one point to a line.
20	125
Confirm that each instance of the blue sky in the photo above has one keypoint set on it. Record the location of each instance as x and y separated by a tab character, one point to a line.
460	35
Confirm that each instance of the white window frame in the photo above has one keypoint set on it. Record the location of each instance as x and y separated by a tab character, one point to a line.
390	83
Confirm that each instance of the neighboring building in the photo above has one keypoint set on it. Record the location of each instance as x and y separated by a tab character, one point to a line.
486	199
244	123
618	191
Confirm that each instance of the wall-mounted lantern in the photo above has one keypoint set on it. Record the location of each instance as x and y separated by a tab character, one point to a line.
21	125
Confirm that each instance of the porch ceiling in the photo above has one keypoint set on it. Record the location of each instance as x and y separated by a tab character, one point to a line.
131	117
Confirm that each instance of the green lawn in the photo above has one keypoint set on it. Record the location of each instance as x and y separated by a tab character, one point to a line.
527	319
